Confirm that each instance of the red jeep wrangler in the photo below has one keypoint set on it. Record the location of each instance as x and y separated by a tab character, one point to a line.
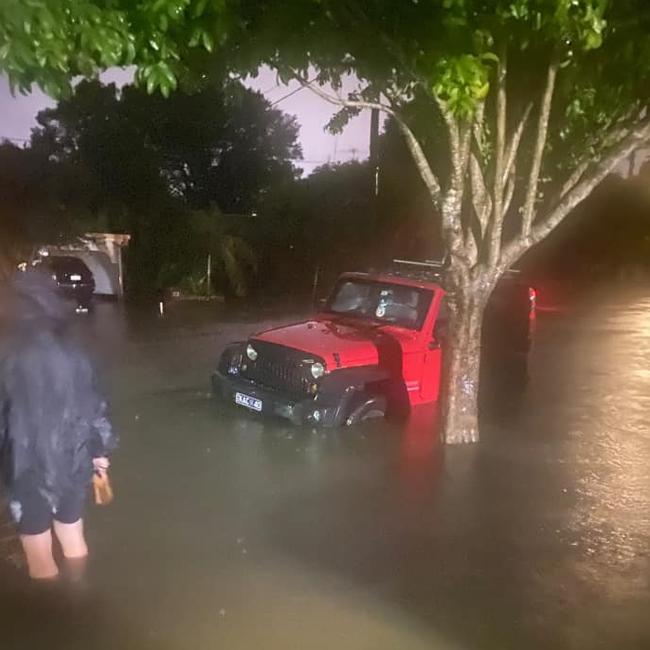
375	347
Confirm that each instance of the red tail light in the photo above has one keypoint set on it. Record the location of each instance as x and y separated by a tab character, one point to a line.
532	301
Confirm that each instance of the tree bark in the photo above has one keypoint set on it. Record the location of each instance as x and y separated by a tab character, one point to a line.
462	366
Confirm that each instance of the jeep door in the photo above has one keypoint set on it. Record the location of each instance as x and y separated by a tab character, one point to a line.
433	342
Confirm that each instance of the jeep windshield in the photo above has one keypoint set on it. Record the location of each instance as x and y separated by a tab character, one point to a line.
380	302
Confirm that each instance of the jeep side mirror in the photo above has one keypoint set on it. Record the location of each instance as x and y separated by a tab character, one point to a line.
440	331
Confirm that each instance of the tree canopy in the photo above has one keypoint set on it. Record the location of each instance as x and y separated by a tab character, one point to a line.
49	42
222	144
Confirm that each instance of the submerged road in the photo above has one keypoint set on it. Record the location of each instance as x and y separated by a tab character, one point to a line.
236	533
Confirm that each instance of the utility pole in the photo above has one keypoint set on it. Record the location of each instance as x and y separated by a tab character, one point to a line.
374	152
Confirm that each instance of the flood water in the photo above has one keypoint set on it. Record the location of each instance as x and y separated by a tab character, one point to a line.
236	533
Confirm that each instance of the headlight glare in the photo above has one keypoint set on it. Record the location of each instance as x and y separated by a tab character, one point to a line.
251	352
317	370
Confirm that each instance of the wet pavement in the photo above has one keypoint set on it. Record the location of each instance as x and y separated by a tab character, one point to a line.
237	533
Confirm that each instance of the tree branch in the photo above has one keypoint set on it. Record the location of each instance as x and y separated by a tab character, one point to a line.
430	179
339	100
452	133
465	148
509	193
617	135
471	248
574	179
481	199
452	201
515	141
633	141
459	184
540	144
477	128
496	225
421	162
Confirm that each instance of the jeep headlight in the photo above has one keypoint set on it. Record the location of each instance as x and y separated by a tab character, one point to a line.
251	352
317	370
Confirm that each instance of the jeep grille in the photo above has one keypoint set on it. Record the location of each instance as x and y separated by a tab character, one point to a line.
280	368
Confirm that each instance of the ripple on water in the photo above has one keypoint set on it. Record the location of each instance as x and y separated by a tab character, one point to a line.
610	442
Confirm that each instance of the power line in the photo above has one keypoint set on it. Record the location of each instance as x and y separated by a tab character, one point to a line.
308	161
293	92
11	139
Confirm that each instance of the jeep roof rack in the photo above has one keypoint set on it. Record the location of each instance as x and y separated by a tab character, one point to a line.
430	264
431	270
422	270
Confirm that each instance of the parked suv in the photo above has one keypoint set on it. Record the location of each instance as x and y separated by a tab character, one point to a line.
72	276
376	346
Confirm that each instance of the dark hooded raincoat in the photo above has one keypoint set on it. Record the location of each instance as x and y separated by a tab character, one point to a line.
52	418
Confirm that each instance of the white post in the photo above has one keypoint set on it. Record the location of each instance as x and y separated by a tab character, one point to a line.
120	271
209	275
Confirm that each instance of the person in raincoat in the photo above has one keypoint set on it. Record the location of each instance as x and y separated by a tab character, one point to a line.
54	433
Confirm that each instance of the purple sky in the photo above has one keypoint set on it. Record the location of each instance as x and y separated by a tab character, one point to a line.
18	114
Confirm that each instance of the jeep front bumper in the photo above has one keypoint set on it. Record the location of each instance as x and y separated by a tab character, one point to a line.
309	411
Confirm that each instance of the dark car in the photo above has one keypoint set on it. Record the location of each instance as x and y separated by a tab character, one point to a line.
74	278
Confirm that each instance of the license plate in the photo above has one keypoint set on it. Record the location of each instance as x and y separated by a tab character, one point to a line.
75	278
249	402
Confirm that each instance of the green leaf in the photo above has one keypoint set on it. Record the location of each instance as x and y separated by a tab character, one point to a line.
130	53
490	56
208	42
168	75
199	8
152	82
197	35
483	90
593	41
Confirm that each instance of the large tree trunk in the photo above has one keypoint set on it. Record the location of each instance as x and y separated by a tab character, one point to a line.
462	367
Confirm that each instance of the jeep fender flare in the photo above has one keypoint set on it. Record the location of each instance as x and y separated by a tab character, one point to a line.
368	406
355	391
229	354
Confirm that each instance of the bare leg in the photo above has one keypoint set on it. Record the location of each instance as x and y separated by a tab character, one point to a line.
72	540
75	550
38	551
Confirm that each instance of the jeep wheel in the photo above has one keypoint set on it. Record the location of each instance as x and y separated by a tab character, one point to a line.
370	409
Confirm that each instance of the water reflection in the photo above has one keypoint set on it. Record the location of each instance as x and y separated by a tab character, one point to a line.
586	420
420	433
611	441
